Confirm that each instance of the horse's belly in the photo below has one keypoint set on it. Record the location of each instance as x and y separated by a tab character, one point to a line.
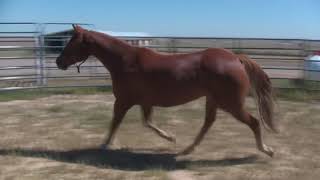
173	95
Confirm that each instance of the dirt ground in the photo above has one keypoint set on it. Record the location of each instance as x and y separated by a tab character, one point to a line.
57	137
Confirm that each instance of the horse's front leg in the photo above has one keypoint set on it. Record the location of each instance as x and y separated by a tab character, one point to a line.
147	121
120	108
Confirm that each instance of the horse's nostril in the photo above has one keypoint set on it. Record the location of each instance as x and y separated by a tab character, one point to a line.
60	65
58	60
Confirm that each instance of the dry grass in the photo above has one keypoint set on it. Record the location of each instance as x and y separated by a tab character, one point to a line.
57	137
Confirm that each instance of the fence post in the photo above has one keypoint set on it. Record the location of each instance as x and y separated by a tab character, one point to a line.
236	46
40	56
304	53
172	45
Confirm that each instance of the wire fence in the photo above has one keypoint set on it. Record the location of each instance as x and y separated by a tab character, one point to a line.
27	57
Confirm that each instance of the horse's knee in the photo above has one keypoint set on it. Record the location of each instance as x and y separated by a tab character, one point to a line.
145	123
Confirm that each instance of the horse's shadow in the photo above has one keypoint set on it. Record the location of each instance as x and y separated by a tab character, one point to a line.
126	159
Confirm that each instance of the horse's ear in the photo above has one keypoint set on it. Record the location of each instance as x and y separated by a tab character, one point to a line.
76	28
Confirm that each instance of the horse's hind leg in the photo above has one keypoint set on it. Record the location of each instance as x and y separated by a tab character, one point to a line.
211	111
254	125
147	121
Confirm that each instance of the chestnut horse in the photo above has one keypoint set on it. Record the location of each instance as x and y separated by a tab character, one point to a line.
141	76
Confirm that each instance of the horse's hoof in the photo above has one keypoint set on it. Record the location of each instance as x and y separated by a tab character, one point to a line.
268	150
271	154
185	152
172	139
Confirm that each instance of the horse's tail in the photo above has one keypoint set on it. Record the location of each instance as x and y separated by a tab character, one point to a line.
262	91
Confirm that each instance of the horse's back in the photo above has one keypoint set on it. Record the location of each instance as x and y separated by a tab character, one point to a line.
217	60
212	64
154	62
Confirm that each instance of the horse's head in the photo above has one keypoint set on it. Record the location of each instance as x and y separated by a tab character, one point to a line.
75	51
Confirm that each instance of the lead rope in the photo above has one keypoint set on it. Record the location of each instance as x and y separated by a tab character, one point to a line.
78	66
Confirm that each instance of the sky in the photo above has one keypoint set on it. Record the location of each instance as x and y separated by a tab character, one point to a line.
206	18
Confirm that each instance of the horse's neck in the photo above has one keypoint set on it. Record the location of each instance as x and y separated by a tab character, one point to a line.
111	52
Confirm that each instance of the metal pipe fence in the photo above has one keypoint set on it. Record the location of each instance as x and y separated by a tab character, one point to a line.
27	57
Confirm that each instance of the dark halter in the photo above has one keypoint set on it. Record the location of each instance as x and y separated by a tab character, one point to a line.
78	66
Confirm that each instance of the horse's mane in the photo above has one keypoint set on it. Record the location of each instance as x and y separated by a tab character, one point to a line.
114	43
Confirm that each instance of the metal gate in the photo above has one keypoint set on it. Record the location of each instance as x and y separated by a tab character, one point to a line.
27	57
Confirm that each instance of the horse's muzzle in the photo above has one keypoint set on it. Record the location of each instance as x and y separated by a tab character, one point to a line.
60	64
